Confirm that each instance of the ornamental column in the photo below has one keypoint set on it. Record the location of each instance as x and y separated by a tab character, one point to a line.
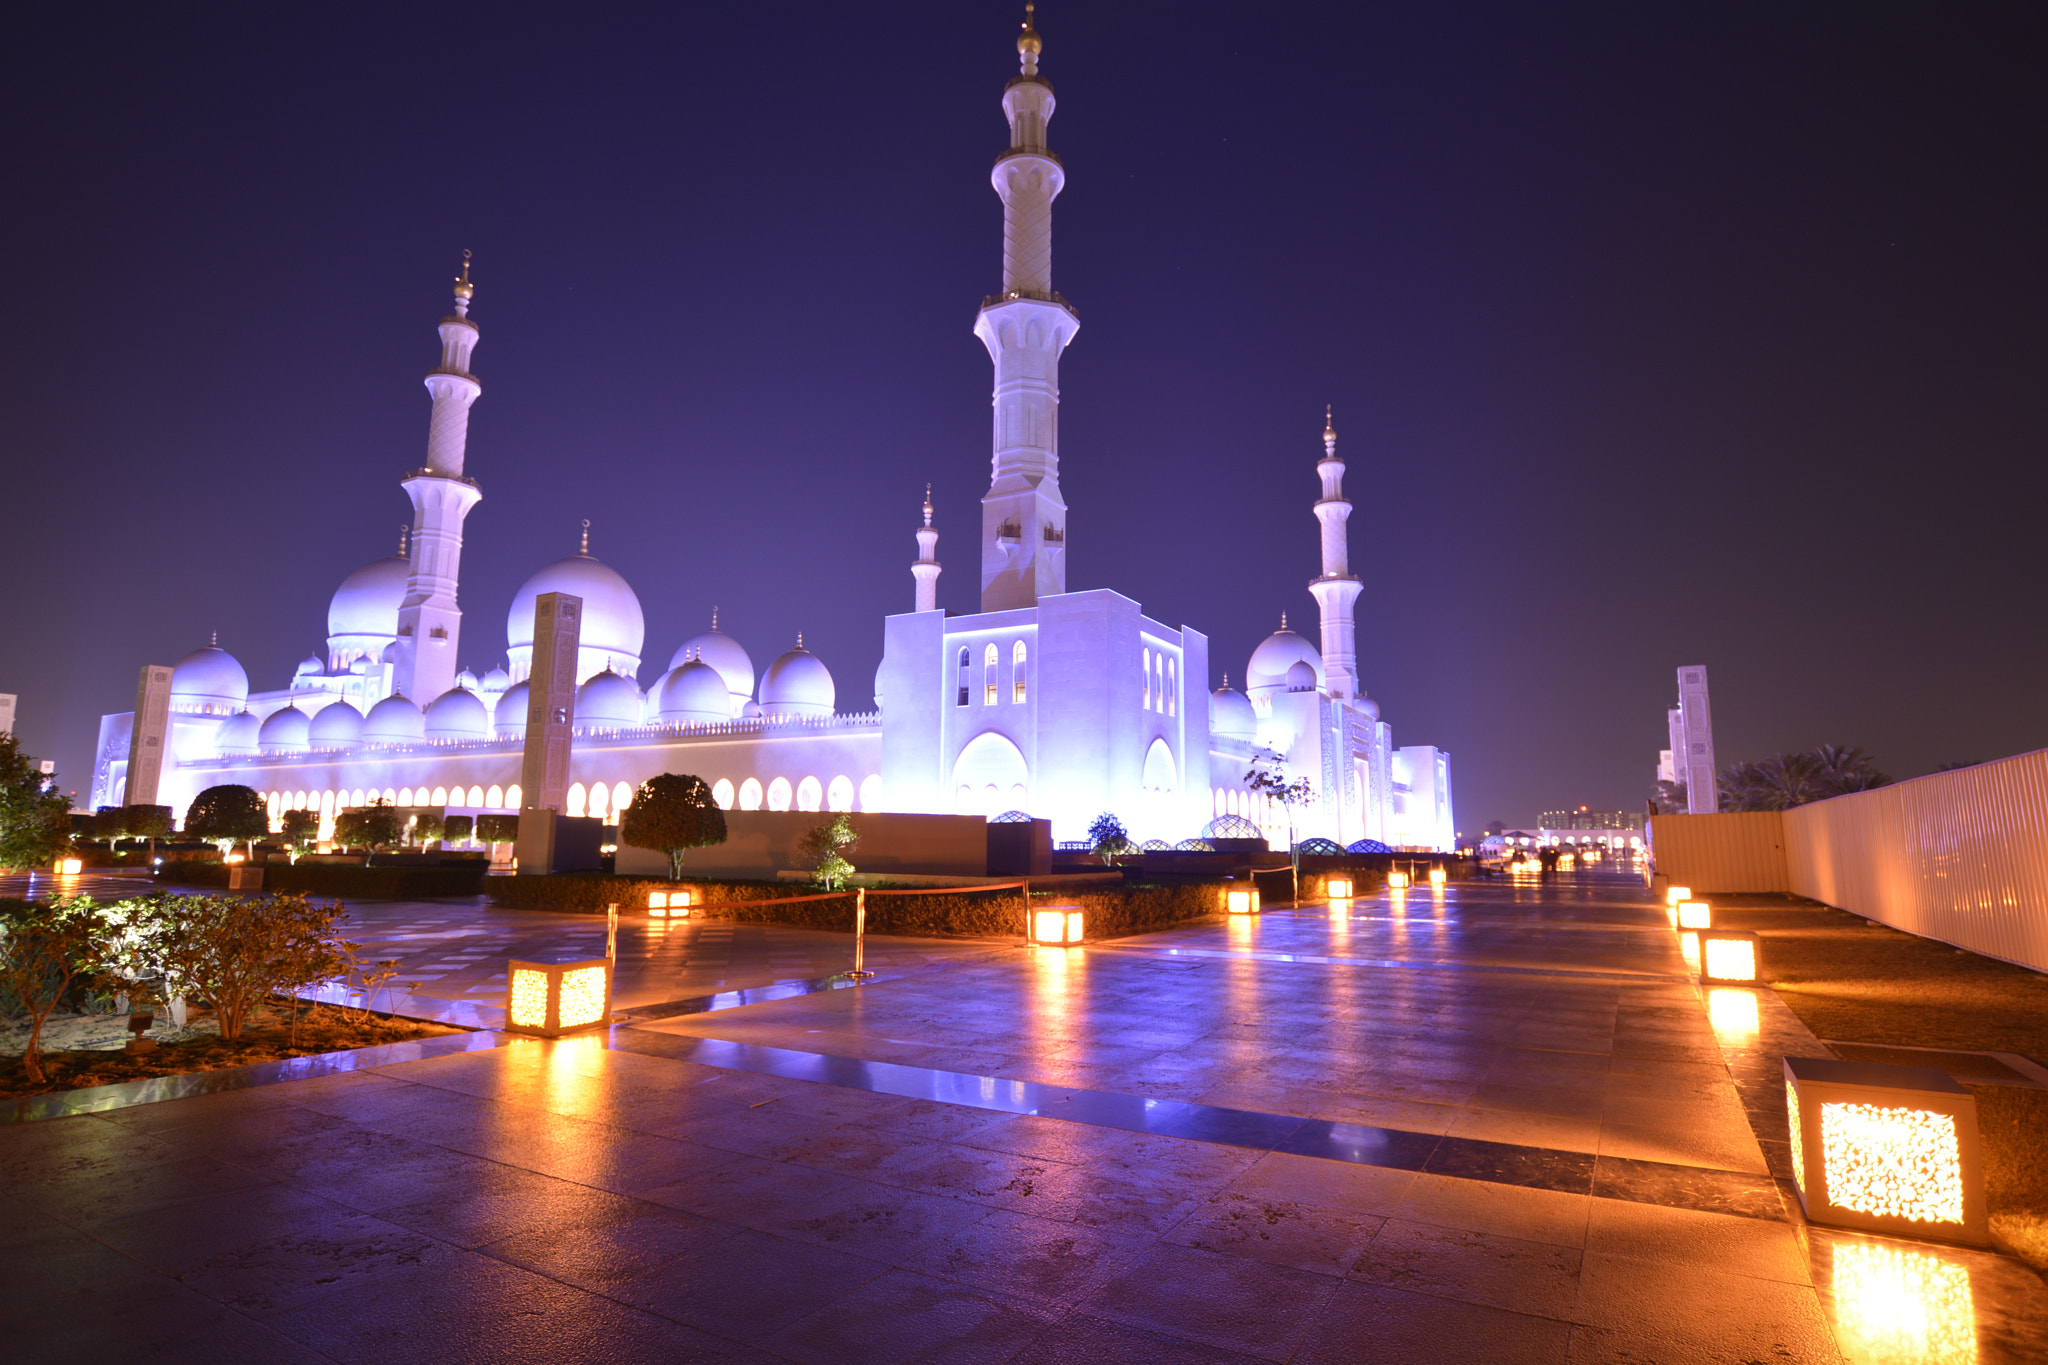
1336	590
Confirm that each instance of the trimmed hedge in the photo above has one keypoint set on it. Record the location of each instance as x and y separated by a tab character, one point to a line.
360	883
1112	912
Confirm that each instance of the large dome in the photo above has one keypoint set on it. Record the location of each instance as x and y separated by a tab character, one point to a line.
367	601
1276	654
285	732
337	725
693	694
608	700
612	621
238	735
457	714
797	684
1231	715
723	653
394	720
509	718
209	680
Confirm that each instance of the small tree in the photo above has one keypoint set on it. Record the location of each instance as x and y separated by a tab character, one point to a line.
228	815
373	826
824	851
456	828
235	954
427	828
497	829
35	819
673	813
44	947
1108	839
108	823
301	831
147	822
1269	777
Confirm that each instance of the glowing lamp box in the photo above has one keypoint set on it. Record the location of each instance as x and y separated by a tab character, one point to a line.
549	999
1889	1149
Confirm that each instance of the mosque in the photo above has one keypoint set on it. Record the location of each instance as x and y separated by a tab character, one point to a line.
1061	704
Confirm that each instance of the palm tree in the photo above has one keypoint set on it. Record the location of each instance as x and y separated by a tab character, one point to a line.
1787	780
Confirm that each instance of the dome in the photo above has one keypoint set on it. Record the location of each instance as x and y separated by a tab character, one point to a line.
694	694
878	683
1276	654
1231	714
608	700
285	732
1301	676
797	684
467	680
612	622
509	718
209	679
457	713
394	720
367	601
723	653
310	666
238	735
337	725
1367	705
751	710
497	680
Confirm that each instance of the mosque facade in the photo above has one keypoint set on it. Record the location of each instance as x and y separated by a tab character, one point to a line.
1061	704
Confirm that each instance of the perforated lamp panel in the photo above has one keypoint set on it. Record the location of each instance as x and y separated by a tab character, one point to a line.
548	999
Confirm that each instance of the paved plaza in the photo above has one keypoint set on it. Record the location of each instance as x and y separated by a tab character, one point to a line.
1496	1124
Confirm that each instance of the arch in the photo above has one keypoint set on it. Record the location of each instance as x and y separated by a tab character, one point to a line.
599	802
298	800
1019	795
871	792
721	793
1148	679
359	797
404	797
440	797
1018	654
622	796
810	794
494	797
1172	687
778	794
476	797
573	804
1161	773
327	805
750	794
989	659
966	663
275	806
839	795
988	766
512	795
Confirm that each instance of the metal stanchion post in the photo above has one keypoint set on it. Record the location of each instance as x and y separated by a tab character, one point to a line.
611	933
860	932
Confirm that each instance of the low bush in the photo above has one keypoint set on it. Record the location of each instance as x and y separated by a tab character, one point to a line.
356	883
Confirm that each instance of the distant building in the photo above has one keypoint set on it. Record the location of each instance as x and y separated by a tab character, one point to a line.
1586	818
1691	724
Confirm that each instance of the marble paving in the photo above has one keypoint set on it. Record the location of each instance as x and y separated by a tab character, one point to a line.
1495	1124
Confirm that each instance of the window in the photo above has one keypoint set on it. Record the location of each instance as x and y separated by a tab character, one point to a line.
988	674
839	796
575	800
1172	687
600	801
721	793
1148	680
1017	690
871	792
476	796
964	682
404	798
810	794
622	796
440	797
778	794
512	796
493	798
750	794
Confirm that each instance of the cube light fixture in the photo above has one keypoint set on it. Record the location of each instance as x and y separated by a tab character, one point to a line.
1397	881
1730	957
70	867
1439	875
668	905
1695	914
1241	900
549	999
1674	894
1338	888
1057	927
1890	1149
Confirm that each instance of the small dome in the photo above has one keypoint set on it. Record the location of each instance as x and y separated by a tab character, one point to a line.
1231	714
285	732
509	717
209	679
878	684
1301	676
723	653
1370	707
466	680
337	725
457	713
239	735
367	601
751	711
797	684
693	694
310	667
608	700
612	620
497	680
394	720
392	654
1276	654
361	666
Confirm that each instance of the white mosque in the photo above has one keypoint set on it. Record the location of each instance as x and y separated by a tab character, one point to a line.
1062	704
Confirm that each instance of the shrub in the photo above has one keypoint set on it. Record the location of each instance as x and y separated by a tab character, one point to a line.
372	826
44	946
300	830
227	815
497	829
146	822
35	818
236	953
824	850
456	829
673	813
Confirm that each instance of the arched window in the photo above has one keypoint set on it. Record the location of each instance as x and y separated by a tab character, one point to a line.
440	797
493	798
988	670
1172	687
575	800
600	801
326	805
391	796
839	796
721	793
622	796
810	794
871	792
778	794
276	809
476	796
1159	681
1017	690
965	681
404	797
1148	680
750	794
512	794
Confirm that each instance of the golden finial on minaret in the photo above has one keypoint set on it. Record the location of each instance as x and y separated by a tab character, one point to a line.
927	504
584	548
464	290
404	540
1329	422
1029	44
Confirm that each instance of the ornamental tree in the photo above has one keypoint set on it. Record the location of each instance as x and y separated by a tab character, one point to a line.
1269	777
824	851
373	826
147	822
301	831
456	828
44	947
1108	838
35	819
497	829
227	815
674	813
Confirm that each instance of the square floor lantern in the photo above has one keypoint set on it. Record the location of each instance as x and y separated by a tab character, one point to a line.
1695	914
668	905
1397	881
1889	1149
1730	957
1439	875
1241	900
1674	894
549	999
1057	927
1338	888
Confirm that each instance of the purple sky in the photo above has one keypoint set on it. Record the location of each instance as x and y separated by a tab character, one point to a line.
1656	335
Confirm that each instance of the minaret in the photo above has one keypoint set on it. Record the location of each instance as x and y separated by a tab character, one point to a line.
1023	517
429	622
1336	590
926	569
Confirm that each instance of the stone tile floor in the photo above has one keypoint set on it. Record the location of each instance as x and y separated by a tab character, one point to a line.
1540	1144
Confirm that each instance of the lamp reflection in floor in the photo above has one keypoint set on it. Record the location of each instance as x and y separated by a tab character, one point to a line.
1896	1304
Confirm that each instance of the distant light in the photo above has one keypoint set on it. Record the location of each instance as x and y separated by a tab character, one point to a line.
71	867
1397	881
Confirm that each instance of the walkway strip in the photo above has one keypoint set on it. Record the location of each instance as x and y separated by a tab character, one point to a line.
1434	964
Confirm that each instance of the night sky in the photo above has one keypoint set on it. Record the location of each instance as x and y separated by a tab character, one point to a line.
1657	335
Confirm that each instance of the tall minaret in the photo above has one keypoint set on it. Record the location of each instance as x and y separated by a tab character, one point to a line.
926	570
429	622
1023	517
1336	590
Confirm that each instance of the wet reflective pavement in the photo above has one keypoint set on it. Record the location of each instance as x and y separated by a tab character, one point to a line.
1490	1125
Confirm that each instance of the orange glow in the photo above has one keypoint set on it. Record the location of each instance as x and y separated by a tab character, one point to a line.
1338	888
1397	881
1689	944
529	1007
1057	927
1733	1013
1895	1304
582	997
1439	876
1674	894
1695	915
1728	959
1892	1161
